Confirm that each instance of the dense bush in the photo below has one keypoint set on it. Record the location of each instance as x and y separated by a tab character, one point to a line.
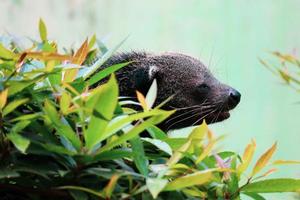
61	140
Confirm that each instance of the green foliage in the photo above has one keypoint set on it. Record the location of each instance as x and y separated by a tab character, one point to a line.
59	139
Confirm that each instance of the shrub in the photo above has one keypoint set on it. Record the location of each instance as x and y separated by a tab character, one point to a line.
61	140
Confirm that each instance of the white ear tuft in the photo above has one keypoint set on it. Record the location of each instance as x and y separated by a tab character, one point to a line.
152	70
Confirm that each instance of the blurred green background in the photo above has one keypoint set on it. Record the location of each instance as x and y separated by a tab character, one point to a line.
229	36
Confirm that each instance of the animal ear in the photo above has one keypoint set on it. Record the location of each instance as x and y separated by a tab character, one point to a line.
144	77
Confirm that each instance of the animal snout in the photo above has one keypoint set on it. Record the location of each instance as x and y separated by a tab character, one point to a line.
234	98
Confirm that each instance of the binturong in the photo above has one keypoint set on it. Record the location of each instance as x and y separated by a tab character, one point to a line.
197	94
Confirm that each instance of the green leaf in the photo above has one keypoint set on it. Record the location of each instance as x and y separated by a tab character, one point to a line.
8	173
26	117
6	54
127	119
156	185
179	153
104	101
273	185
78	195
136	130
159	144
139	157
63	129
20	142
92	41
157	133
13	105
83	189
254	196
17	86
197	178
96	66
105	72
43	30
65	102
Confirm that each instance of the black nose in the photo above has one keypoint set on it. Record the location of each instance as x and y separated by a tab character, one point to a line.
234	98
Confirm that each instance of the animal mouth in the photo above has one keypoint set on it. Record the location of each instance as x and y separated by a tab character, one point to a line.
195	116
217	116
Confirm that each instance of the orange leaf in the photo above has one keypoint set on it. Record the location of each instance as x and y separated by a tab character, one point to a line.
207	150
45	56
283	162
247	157
267	173
3	98
109	188
264	159
81	53
142	100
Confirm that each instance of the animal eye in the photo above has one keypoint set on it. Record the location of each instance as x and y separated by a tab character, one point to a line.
203	86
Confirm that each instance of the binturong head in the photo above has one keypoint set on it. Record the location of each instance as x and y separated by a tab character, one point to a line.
197	94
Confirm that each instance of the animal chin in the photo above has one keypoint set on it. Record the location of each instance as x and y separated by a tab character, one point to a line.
217	117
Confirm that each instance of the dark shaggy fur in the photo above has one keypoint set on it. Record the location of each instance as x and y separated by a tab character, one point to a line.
197	93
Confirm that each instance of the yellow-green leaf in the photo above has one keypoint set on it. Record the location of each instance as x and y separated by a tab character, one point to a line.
156	185
92	41
13	105
6	54
206	151
199	132
284	162
65	102
178	154
273	185
197	178
43	30
264	159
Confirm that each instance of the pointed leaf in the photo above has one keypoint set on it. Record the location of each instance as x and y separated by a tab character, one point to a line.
247	157
63	129
139	156
151	95
264	159
159	144
142	100
103	102
284	162
109	188
13	105
104	73
3	98
197	178
43	30
273	185
20	142
136	130
6	54
156	185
